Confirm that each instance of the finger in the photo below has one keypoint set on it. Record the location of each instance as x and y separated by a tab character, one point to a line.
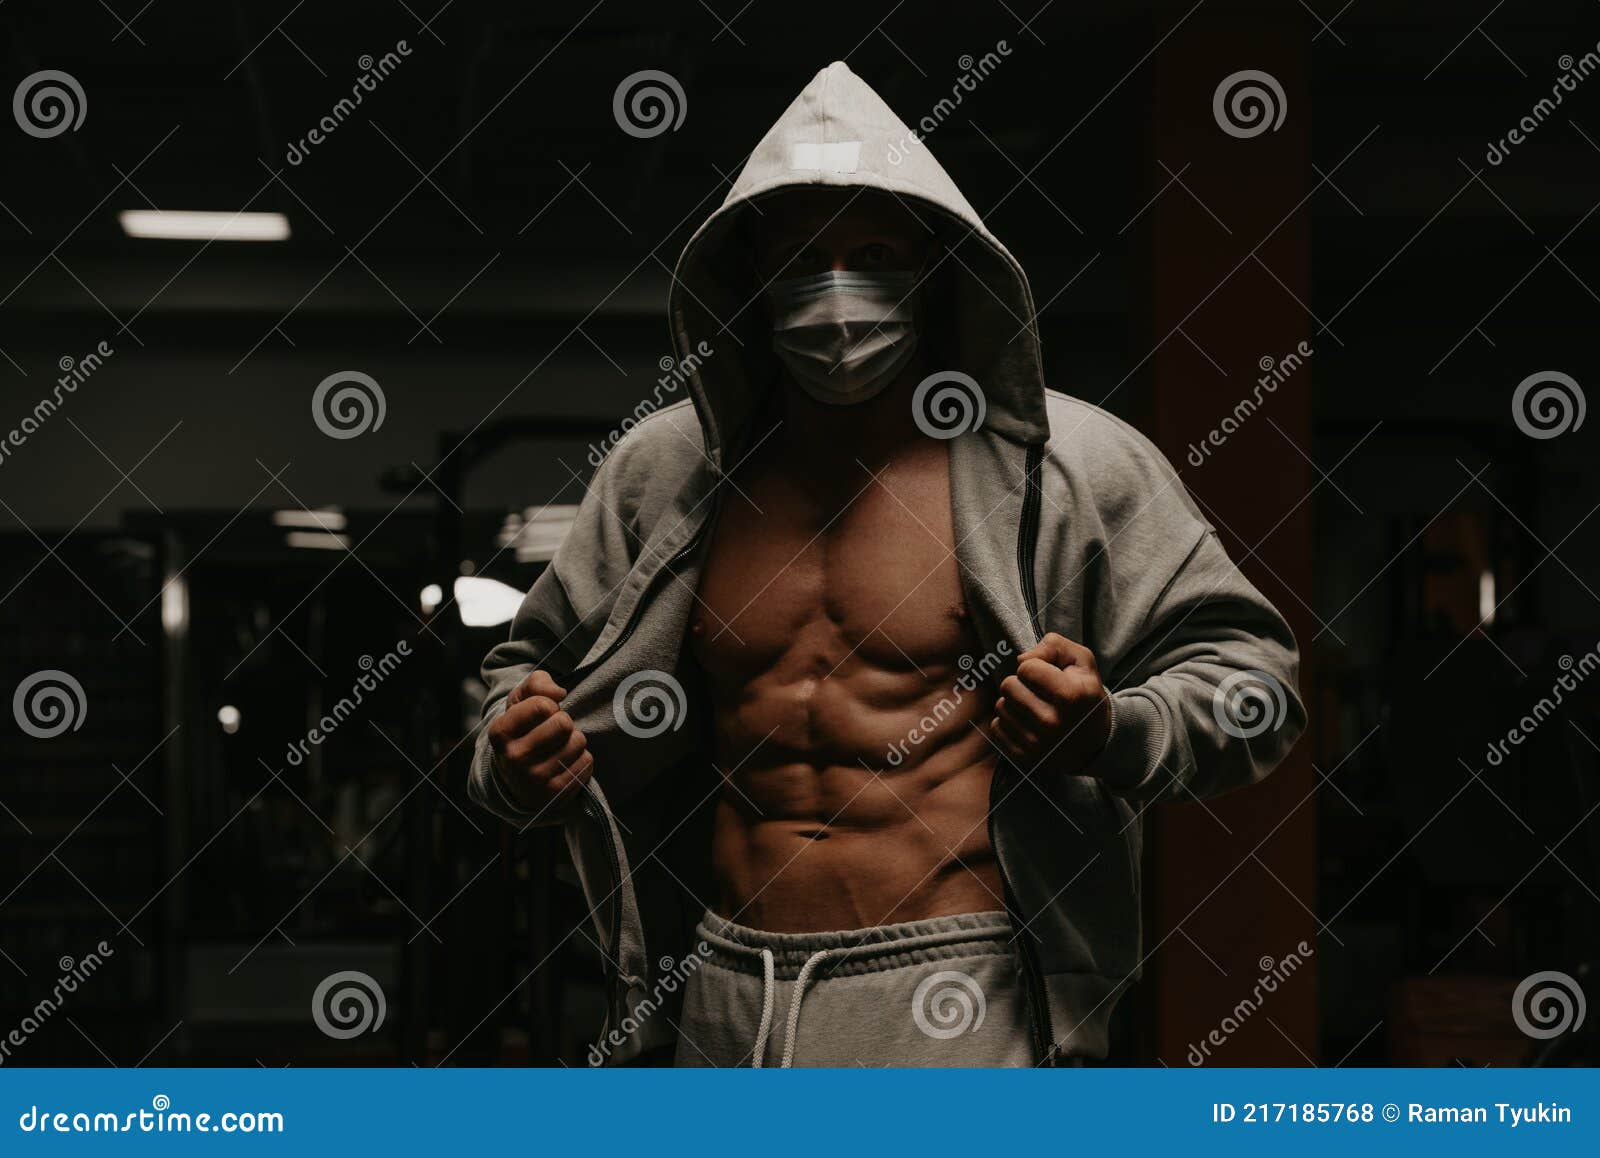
1018	725
1059	650
539	683
524	717
542	742
564	759
1006	740
1055	686
566	784
1027	706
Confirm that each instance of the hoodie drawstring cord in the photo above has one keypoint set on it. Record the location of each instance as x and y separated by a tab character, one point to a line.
766	1010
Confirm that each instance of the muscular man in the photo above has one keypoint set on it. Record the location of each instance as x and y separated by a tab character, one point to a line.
855	668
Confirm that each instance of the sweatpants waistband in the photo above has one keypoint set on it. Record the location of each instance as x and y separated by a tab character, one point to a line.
854	951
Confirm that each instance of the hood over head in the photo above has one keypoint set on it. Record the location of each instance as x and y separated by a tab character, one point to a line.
839	133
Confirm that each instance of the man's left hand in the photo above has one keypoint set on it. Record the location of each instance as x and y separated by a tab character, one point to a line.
1054	712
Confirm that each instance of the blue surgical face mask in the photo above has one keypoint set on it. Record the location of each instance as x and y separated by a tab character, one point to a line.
844	335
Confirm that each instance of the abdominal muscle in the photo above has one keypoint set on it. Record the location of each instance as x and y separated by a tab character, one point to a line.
841	809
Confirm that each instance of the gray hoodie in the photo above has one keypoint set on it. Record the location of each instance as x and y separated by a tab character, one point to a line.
1066	520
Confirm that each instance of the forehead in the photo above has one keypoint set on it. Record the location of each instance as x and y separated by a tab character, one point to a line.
803	214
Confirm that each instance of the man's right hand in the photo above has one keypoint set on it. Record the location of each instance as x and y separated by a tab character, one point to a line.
543	757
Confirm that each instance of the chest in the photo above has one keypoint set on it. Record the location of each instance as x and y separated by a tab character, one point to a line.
862	565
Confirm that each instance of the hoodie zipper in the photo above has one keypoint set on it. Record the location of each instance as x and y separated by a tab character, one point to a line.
1033	974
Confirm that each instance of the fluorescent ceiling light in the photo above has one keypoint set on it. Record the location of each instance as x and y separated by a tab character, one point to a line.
486	602
320	518
318	540
197	225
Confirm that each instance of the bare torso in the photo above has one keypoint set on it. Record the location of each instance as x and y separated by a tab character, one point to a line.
830	621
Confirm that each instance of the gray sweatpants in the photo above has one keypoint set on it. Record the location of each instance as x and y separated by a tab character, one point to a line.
940	992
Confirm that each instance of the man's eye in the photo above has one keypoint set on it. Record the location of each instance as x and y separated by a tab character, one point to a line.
874	255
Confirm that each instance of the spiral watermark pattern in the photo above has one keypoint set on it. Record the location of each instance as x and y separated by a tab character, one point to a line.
348	1004
948	1004
649	103
1248	703
648	703
1548	1004
347	404
1248	103
48	103
1548	404
948	404
48	703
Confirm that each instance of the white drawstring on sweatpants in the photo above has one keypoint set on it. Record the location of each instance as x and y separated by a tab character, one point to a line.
802	979
768	999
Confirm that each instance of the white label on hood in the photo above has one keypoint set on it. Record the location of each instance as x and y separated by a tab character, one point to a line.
827	157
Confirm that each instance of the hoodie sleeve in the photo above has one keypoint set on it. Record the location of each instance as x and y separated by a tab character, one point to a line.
1201	667
1206	699
558	620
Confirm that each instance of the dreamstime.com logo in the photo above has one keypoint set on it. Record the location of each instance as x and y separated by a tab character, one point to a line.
1273	974
347	404
1574	672
948	404
348	1004
372	72
649	703
674	373
1548	404
1249	103
374	672
73	974
1274	373
49	703
49	103
160	1118
74	373
1548	1004
948	1004
648	103
1248	703
974	673
973	71
673	975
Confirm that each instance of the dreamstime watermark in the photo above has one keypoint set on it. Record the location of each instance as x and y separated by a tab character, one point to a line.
1248	103
948	404
674	974
374	673
1273	974
973	674
48	103
973	71
348	1004
648	103
160	1118
1548	404
649	703
1547	704
372	72
73	974
347	404
1248	703
1572	72
1548	1004
1274	373
948	1004
74	373
49	703
674	373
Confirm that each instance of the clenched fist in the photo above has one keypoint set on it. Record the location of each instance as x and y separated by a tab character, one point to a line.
1054	712
543	757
